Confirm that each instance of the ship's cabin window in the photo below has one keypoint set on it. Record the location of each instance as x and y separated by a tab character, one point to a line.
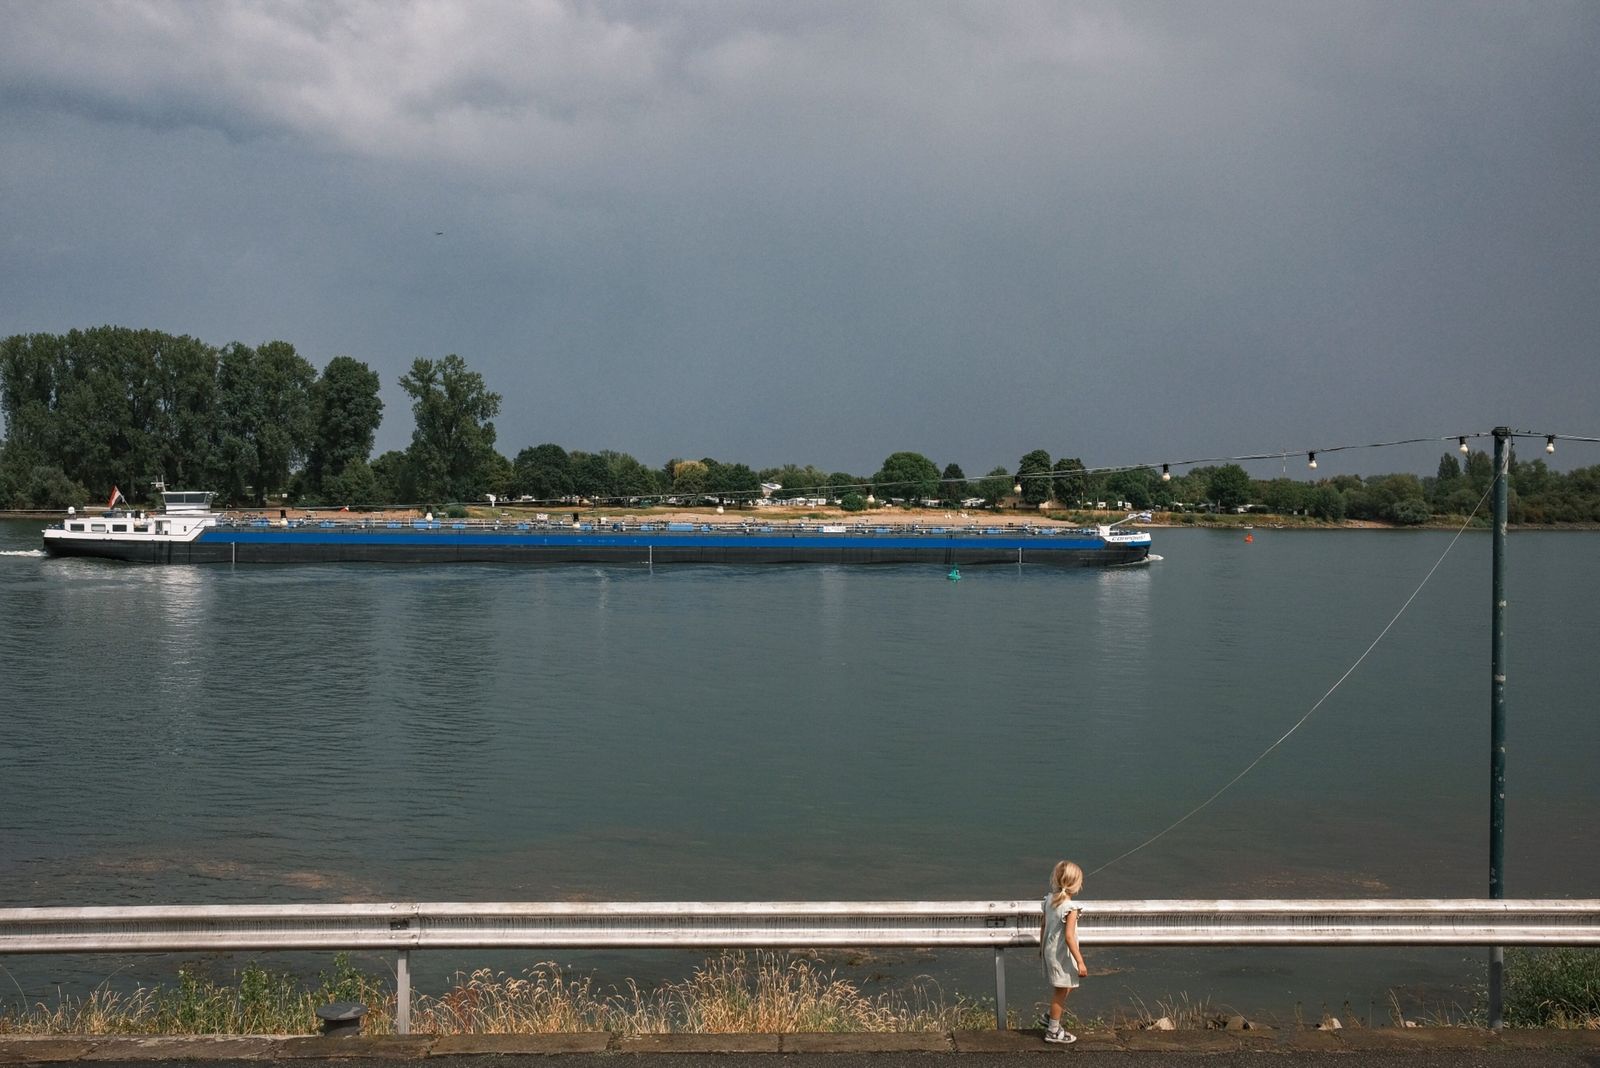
75	526
97	528
119	528
180	501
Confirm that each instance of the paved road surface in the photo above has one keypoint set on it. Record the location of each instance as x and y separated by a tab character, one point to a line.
1383	1048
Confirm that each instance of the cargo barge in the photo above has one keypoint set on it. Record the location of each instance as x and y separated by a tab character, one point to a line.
188	531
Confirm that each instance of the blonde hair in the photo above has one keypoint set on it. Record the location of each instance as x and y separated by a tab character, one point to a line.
1066	880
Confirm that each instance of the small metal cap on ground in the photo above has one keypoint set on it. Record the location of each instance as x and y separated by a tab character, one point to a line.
341	1019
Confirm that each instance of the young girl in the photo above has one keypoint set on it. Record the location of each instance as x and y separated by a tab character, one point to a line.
1058	944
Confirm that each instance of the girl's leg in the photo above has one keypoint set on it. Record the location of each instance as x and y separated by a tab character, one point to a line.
1058	1001
1054	1032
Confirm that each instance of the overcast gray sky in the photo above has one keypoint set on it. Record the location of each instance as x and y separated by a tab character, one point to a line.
822	232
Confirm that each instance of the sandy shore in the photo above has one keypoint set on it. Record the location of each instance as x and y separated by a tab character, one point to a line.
885	517
763	516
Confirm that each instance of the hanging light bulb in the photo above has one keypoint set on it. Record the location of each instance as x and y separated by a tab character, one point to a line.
1311	460
1463	444
1550	443
1166	472
1017	486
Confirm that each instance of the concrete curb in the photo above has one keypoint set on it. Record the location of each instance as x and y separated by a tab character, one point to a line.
55	1049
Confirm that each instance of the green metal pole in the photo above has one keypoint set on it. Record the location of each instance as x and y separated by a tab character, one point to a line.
1497	716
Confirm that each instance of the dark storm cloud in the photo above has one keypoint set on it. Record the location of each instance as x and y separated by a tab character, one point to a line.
823	232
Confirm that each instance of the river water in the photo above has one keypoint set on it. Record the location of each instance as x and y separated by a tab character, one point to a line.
332	732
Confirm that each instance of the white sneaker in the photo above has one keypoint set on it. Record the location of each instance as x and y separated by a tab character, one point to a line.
1061	1035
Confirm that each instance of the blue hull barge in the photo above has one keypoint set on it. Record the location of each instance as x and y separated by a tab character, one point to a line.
188	532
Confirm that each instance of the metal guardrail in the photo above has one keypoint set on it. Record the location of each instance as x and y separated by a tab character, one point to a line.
997	925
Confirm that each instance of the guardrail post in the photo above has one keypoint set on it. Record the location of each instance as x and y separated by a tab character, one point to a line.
999	988
402	993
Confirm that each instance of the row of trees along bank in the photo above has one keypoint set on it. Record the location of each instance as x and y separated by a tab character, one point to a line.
91	409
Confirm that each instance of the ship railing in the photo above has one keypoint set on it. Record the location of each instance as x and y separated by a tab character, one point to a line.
404	927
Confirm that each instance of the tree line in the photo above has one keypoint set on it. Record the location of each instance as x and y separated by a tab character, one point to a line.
113	406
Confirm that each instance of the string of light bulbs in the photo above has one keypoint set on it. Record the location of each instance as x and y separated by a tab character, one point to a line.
1165	467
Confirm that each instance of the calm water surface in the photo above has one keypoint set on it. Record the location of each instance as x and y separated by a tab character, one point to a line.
331	732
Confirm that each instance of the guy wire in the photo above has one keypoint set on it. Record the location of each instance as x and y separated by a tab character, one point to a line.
1301	721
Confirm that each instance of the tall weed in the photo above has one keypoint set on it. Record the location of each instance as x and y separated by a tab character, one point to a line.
1552	988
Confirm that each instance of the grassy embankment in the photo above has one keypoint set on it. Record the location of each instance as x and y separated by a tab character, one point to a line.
732	993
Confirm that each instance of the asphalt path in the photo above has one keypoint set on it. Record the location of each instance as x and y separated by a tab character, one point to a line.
1382	1047
1487	1058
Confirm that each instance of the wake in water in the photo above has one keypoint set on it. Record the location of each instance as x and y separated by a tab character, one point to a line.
37	553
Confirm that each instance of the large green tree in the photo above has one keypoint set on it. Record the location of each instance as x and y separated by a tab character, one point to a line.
994	486
1071	481
842	482
1326	502
187	430
36	485
591	474
1449	471
543	472
1136	485
609	476
452	453
1230	487
29	365
357	483
732	482
1285	496
1480	471
908	475
953	487
797	480
686	478
264	417
108	407
1033	473
346	411
391	474
629	477
111	406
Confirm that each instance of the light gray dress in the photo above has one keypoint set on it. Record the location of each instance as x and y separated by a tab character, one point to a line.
1059	967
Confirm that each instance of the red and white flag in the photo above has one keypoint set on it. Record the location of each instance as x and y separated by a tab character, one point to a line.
116	495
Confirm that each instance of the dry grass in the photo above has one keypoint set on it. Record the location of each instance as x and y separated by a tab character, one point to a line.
731	993
735	992
1184	1013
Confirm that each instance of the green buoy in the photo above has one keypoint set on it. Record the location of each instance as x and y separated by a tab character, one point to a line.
955	574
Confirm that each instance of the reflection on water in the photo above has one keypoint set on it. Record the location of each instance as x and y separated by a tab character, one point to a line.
489	733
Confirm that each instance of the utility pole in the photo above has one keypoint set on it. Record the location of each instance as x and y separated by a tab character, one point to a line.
1497	716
